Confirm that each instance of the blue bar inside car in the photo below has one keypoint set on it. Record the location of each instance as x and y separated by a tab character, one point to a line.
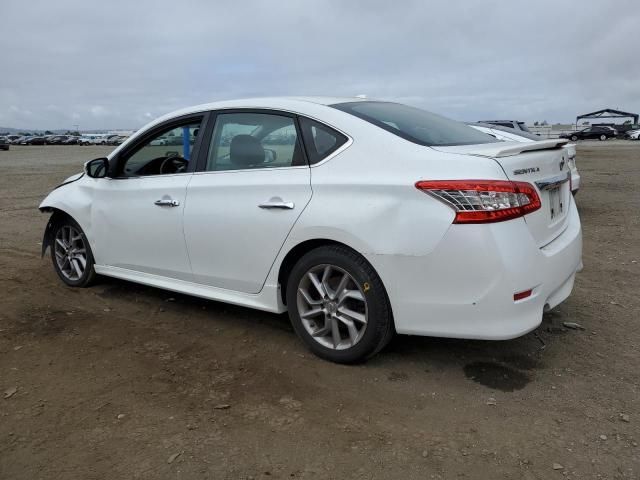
185	143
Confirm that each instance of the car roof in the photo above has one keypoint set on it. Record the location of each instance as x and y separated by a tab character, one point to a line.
292	103
511	121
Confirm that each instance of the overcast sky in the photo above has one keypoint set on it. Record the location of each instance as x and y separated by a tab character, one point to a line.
118	64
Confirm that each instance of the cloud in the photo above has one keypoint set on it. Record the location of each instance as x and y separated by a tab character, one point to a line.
116	67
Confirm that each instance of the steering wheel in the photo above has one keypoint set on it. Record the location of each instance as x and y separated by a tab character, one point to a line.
173	165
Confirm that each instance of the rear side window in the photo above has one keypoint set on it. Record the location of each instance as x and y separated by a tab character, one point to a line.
320	140
250	140
416	125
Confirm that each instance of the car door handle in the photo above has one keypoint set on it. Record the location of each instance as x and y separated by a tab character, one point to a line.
277	203
166	202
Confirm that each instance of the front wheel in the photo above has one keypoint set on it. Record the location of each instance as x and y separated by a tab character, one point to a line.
574	138
603	138
70	253
338	305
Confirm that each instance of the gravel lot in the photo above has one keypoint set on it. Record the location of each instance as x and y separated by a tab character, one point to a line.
126	381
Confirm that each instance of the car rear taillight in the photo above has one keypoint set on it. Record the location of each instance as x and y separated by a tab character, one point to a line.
484	201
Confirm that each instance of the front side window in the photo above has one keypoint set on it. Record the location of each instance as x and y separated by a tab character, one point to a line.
243	141
167	152
320	140
416	125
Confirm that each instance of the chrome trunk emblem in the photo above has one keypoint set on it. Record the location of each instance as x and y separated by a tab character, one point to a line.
522	171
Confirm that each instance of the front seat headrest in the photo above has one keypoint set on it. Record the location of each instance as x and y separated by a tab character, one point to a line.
245	151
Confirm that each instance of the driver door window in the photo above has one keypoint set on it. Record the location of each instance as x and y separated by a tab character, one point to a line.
168	152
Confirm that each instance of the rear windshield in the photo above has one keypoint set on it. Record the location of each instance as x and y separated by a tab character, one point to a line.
417	126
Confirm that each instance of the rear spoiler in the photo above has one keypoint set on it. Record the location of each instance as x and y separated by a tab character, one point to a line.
511	149
504	149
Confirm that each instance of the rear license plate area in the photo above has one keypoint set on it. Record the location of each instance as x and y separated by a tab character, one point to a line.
556	207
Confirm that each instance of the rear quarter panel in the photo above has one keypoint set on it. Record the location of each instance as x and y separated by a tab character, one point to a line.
366	196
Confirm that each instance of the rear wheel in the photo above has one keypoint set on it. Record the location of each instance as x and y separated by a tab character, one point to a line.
603	137
338	305
70	253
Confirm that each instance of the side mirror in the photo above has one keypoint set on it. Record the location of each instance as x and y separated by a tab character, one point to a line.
97	168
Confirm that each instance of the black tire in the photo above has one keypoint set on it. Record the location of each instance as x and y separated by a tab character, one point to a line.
603	137
574	138
379	328
89	274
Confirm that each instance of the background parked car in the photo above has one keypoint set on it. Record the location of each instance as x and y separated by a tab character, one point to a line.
56	139
37	141
4	143
87	140
511	135
515	124
601	133
632	135
71	140
117	140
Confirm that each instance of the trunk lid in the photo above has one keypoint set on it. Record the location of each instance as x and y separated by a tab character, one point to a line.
544	164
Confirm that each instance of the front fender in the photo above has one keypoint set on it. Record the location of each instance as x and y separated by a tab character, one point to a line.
46	238
73	199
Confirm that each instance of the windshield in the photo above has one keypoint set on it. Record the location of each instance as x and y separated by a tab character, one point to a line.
416	125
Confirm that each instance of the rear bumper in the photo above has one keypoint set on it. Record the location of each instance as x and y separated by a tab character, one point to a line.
575	181
464	288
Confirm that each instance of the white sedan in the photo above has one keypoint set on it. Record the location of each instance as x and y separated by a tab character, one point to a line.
633	135
512	135
360	218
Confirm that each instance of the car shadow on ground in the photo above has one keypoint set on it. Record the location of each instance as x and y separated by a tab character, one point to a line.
507	365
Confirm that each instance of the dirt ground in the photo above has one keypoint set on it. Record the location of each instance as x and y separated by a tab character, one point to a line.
126	381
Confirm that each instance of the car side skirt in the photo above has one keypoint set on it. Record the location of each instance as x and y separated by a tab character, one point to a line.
268	300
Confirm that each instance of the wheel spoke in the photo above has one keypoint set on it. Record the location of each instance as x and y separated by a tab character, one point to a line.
307	298
353	331
335	332
316	283
82	260
76	266
354	294
326	275
342	285
359	317
324	331
312	313
60	242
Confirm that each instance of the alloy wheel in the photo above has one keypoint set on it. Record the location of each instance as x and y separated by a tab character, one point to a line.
70	252
332	307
